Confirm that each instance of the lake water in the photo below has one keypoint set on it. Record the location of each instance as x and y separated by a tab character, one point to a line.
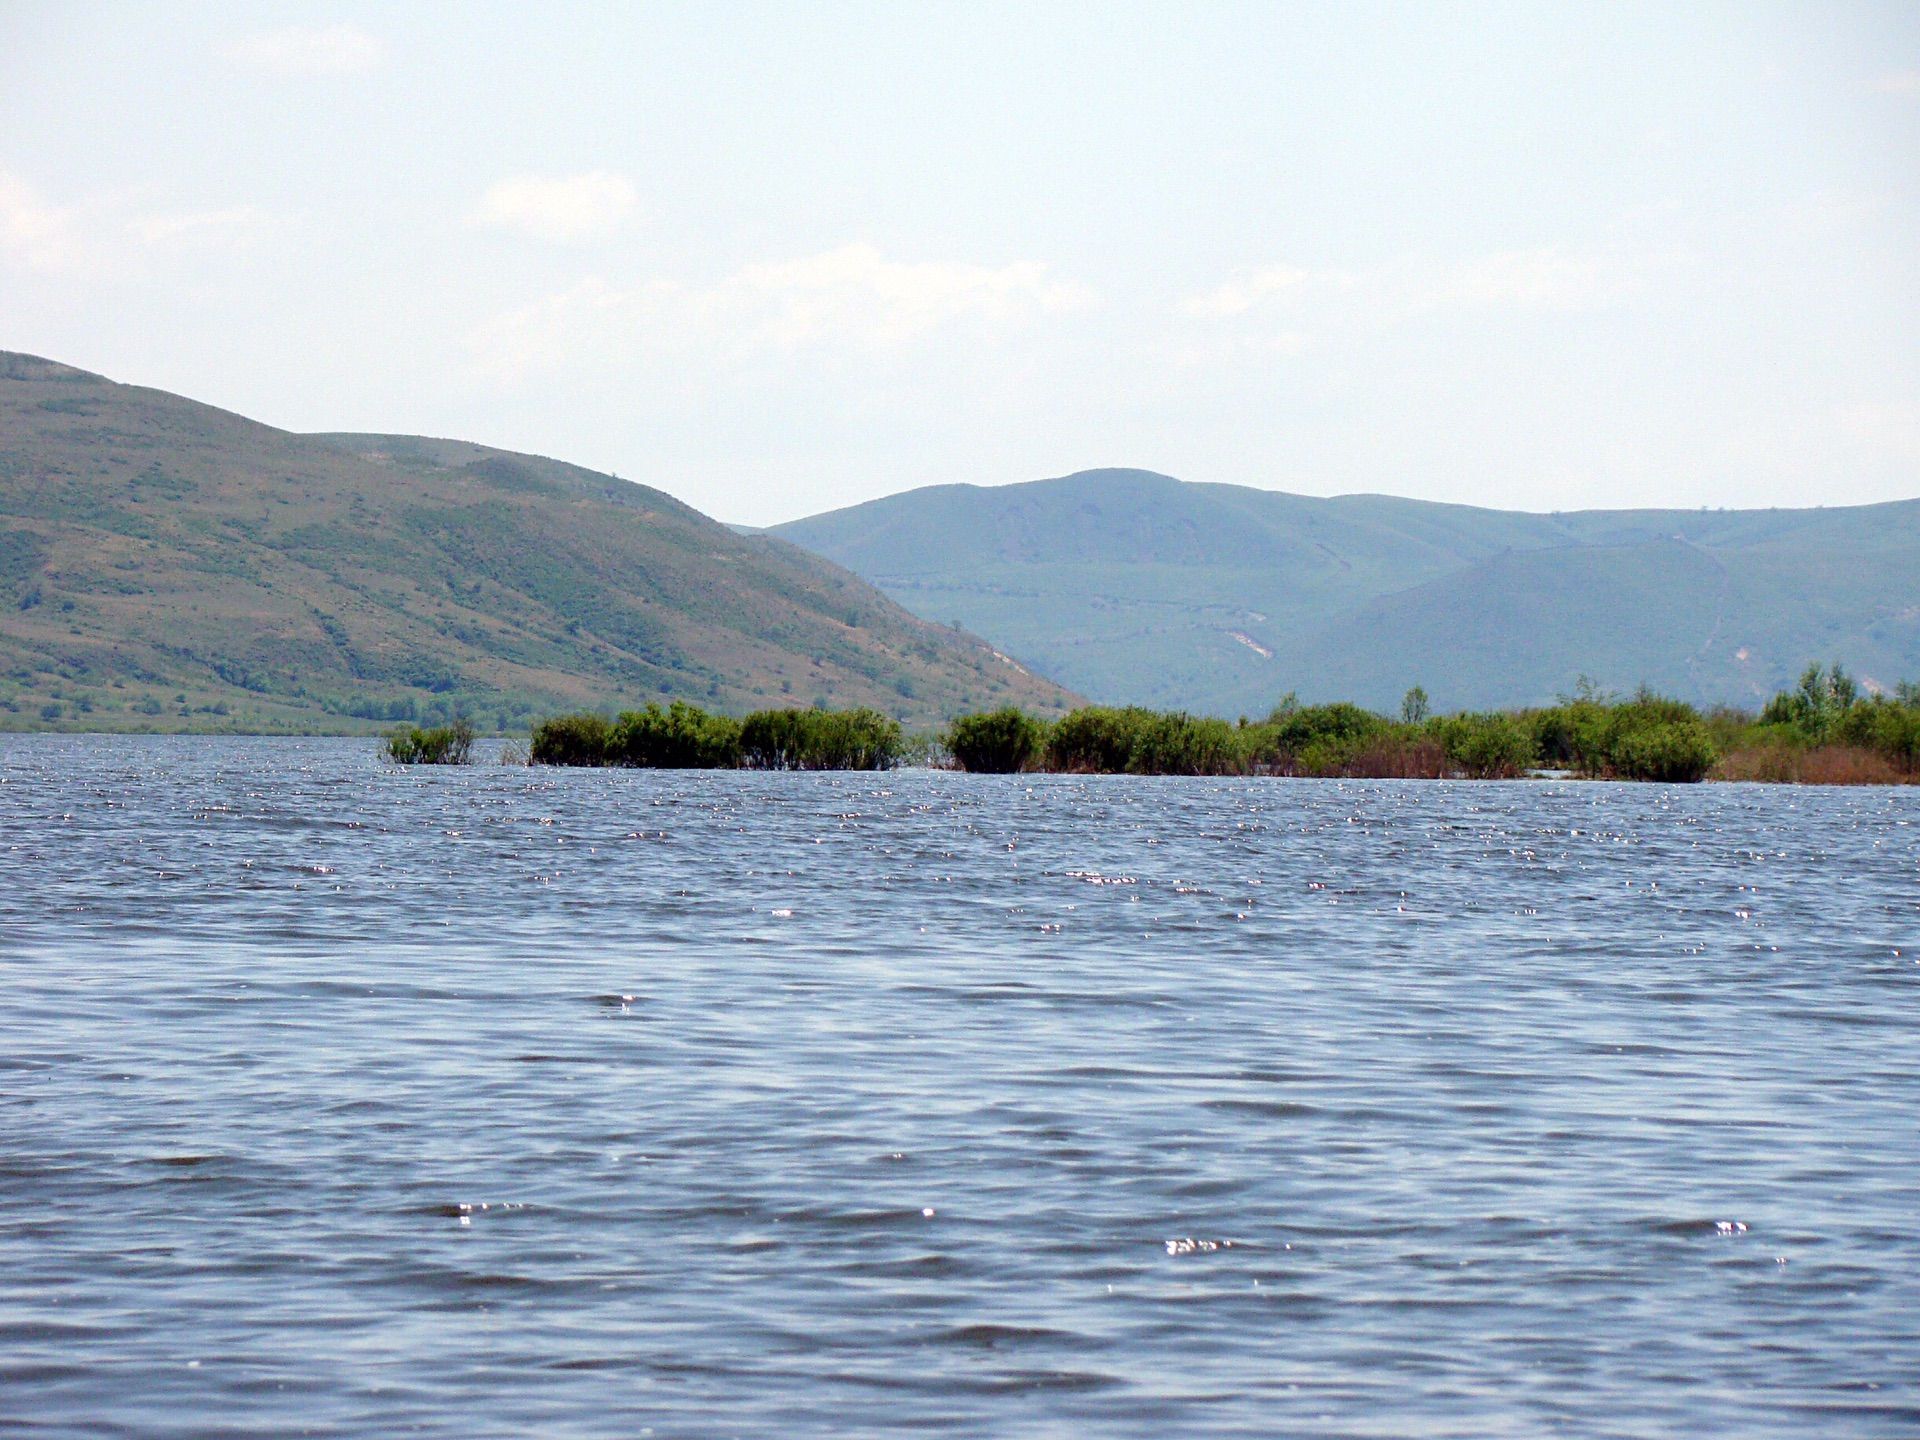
343	1100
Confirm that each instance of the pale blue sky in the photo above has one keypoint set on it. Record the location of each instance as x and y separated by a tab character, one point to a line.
777	259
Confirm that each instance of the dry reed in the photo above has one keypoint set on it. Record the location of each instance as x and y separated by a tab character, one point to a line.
1819	765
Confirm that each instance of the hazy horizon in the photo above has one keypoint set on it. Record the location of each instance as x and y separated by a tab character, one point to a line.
778	261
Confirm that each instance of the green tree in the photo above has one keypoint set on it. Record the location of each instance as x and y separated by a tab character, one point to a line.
1816	704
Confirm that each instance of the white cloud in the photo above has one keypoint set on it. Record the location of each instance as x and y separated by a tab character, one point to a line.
1530	279
857	293
851	297
1898	82
102	237
559	208
35	233
235	225
1376	297
309	50
1241	294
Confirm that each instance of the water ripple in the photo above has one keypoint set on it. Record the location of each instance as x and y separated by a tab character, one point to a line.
347	1100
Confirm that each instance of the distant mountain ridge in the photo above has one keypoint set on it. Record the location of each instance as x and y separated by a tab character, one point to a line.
1131	586
165	563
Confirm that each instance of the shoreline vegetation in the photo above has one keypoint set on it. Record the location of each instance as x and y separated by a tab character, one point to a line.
1824	731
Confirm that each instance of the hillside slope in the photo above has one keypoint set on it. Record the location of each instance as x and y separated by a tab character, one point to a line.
164	563
1131	586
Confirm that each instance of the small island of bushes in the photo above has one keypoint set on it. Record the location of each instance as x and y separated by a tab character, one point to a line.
1822	731
440	745
685	737
1646	738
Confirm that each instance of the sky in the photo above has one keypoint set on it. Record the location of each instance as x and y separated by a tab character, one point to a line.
777	259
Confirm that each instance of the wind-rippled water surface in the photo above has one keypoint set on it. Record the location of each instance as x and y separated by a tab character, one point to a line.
340	1099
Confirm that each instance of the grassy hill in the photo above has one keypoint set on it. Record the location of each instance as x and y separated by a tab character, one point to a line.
1131	586
164	564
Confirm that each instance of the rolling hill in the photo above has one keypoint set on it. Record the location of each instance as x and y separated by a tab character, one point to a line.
164	564
1134	587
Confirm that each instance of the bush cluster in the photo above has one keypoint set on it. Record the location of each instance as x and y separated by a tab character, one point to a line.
1822	731
685	737
1647	738
1315	740
443	745
571	740
1485	746
998	742
860	739
681	737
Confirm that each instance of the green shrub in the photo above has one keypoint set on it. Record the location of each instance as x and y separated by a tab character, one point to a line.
1110	741
1487	746
774	739
1340	722
570	740
1096	739
1181	744
684	736
445	745
859	739
1674	751
1565	735
1311	739
1773	736
1645	738
998	742
1883	725
681	737
1727	726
